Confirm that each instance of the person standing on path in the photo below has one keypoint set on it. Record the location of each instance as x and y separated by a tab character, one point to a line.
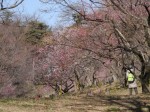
131	81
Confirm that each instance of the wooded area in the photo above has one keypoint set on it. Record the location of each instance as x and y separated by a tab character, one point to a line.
104	38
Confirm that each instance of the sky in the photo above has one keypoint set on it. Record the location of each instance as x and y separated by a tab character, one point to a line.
31	7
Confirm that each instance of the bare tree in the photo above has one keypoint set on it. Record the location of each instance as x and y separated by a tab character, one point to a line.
5	5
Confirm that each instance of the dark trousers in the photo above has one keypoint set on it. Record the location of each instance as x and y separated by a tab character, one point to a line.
135	90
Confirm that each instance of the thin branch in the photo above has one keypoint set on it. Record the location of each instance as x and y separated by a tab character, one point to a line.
17	3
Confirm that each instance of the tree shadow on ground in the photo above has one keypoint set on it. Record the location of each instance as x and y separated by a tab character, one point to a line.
135	104
116	103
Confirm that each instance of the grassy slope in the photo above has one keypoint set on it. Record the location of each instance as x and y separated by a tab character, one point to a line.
117	101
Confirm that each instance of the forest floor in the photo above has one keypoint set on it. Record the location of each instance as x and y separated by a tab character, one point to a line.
88	101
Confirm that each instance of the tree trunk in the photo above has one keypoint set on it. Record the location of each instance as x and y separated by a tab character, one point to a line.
144	78
77	82
124	80
145	87
94	79
145	83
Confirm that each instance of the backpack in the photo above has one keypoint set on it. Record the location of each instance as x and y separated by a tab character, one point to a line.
130	78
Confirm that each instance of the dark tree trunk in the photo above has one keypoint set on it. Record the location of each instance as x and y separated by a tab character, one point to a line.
67	87
124	81
94	79
144	78
145	83
145	87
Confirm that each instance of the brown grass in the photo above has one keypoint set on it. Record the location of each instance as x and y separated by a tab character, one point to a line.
98	102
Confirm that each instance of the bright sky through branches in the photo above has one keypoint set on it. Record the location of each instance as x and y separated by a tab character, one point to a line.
55	15
35	7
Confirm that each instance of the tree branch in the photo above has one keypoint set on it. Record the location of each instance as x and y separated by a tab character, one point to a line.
15	4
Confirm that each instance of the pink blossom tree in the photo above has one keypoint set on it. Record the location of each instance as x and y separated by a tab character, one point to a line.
119	31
